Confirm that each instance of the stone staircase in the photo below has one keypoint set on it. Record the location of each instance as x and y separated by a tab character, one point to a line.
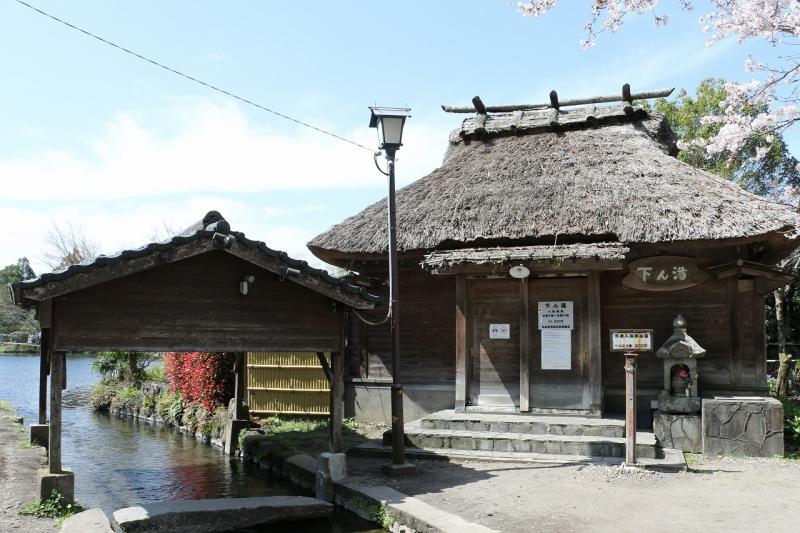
525	438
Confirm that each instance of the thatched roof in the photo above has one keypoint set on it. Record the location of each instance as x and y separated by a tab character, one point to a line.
602	251
601	174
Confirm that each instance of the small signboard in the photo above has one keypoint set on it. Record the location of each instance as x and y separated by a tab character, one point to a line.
631	340
499	331
664	273
556	315
556	349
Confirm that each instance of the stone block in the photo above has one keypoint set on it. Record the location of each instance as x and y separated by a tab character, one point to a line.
334	464
745	426
90	521
222	514
63	482
40	434
680	431
678	404
232	429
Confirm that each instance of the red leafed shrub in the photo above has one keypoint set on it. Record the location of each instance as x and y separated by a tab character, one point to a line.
204	377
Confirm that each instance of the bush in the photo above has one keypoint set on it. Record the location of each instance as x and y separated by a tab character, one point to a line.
204	377
102	396
128	367
53	507
128	399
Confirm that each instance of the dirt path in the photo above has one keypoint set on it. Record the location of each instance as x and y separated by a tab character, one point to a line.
18	478
720	495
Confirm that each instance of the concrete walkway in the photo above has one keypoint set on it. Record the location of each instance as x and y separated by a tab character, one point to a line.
18	478
720	495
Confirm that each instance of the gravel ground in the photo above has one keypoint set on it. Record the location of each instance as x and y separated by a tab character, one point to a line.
718	495
18	479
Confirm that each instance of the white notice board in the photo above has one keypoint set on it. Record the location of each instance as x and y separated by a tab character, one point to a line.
556	349
499	331
556	315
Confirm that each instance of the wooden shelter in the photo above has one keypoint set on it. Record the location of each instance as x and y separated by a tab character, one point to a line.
615	233
207	289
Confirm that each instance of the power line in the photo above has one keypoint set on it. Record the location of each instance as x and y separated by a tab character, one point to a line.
191	78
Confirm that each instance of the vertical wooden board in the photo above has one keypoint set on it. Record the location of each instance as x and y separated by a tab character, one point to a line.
524	347
560	389
461	343
594	384
495	362
56	378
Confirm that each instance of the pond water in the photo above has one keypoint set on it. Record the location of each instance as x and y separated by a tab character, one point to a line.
120	463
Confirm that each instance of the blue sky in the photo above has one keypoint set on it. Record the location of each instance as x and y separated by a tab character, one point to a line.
120	148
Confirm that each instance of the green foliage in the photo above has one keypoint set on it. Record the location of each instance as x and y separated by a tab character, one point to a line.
127	399
25	445
6	407
127	367
56	506
101	395
155	373
763	176
20	271
382	517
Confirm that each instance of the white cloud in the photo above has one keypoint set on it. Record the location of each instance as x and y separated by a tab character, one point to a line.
216	148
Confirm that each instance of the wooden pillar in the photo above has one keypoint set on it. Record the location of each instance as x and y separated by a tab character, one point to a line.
45	350
56	381
337	387
462	344
594	377
239	385
524	348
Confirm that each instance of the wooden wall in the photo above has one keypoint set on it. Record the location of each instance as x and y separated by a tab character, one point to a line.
427	333
195	304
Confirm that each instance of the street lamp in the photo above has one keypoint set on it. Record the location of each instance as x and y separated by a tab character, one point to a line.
390	122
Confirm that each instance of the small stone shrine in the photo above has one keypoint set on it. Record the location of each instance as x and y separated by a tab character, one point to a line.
676	423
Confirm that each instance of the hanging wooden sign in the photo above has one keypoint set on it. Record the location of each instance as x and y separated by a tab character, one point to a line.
664	273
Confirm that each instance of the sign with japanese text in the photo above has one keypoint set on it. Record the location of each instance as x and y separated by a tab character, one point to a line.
556	315
664	273
631	340
499	331
556	349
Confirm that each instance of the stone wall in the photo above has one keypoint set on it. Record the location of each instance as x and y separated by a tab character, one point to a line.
678	431
745	426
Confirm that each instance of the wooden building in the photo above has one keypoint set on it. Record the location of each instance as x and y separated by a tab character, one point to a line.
207	289
615	233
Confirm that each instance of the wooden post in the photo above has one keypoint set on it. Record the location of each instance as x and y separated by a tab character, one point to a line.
56	379
239	385
462	344
594	390
630	408
44	370
337	387
524	348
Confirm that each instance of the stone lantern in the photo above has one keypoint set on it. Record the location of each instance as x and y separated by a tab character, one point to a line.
676	423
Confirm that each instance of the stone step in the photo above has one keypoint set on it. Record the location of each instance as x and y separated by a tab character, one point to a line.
523	423
502	441
672	460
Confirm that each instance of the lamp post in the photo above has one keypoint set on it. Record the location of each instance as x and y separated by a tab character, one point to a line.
390	121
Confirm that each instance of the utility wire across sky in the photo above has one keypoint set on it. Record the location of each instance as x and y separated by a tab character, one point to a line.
192	78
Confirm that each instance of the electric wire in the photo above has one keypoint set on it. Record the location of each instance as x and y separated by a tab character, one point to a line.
191	78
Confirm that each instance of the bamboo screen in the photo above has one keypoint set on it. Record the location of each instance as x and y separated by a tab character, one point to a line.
291	383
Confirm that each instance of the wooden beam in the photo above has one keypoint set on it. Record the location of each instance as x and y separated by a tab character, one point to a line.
524	348
323	362
45	349
239	385
645	95
594	377
56	378
462	343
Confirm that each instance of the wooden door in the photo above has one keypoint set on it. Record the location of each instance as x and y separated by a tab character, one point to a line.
495	361
561	389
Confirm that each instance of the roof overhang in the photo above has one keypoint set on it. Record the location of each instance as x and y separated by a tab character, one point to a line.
606	256
215	236
774	278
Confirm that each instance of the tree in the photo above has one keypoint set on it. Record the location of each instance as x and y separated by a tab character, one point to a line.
775	93
127	367
773	174
17	272
68	246
12	318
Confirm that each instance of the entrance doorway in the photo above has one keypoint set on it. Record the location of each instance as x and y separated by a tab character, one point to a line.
558	381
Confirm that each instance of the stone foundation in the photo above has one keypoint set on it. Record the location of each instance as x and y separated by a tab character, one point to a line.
745	426
679	431
63	482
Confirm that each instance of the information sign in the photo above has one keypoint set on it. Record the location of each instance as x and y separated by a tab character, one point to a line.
499	331
556	315
631	340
